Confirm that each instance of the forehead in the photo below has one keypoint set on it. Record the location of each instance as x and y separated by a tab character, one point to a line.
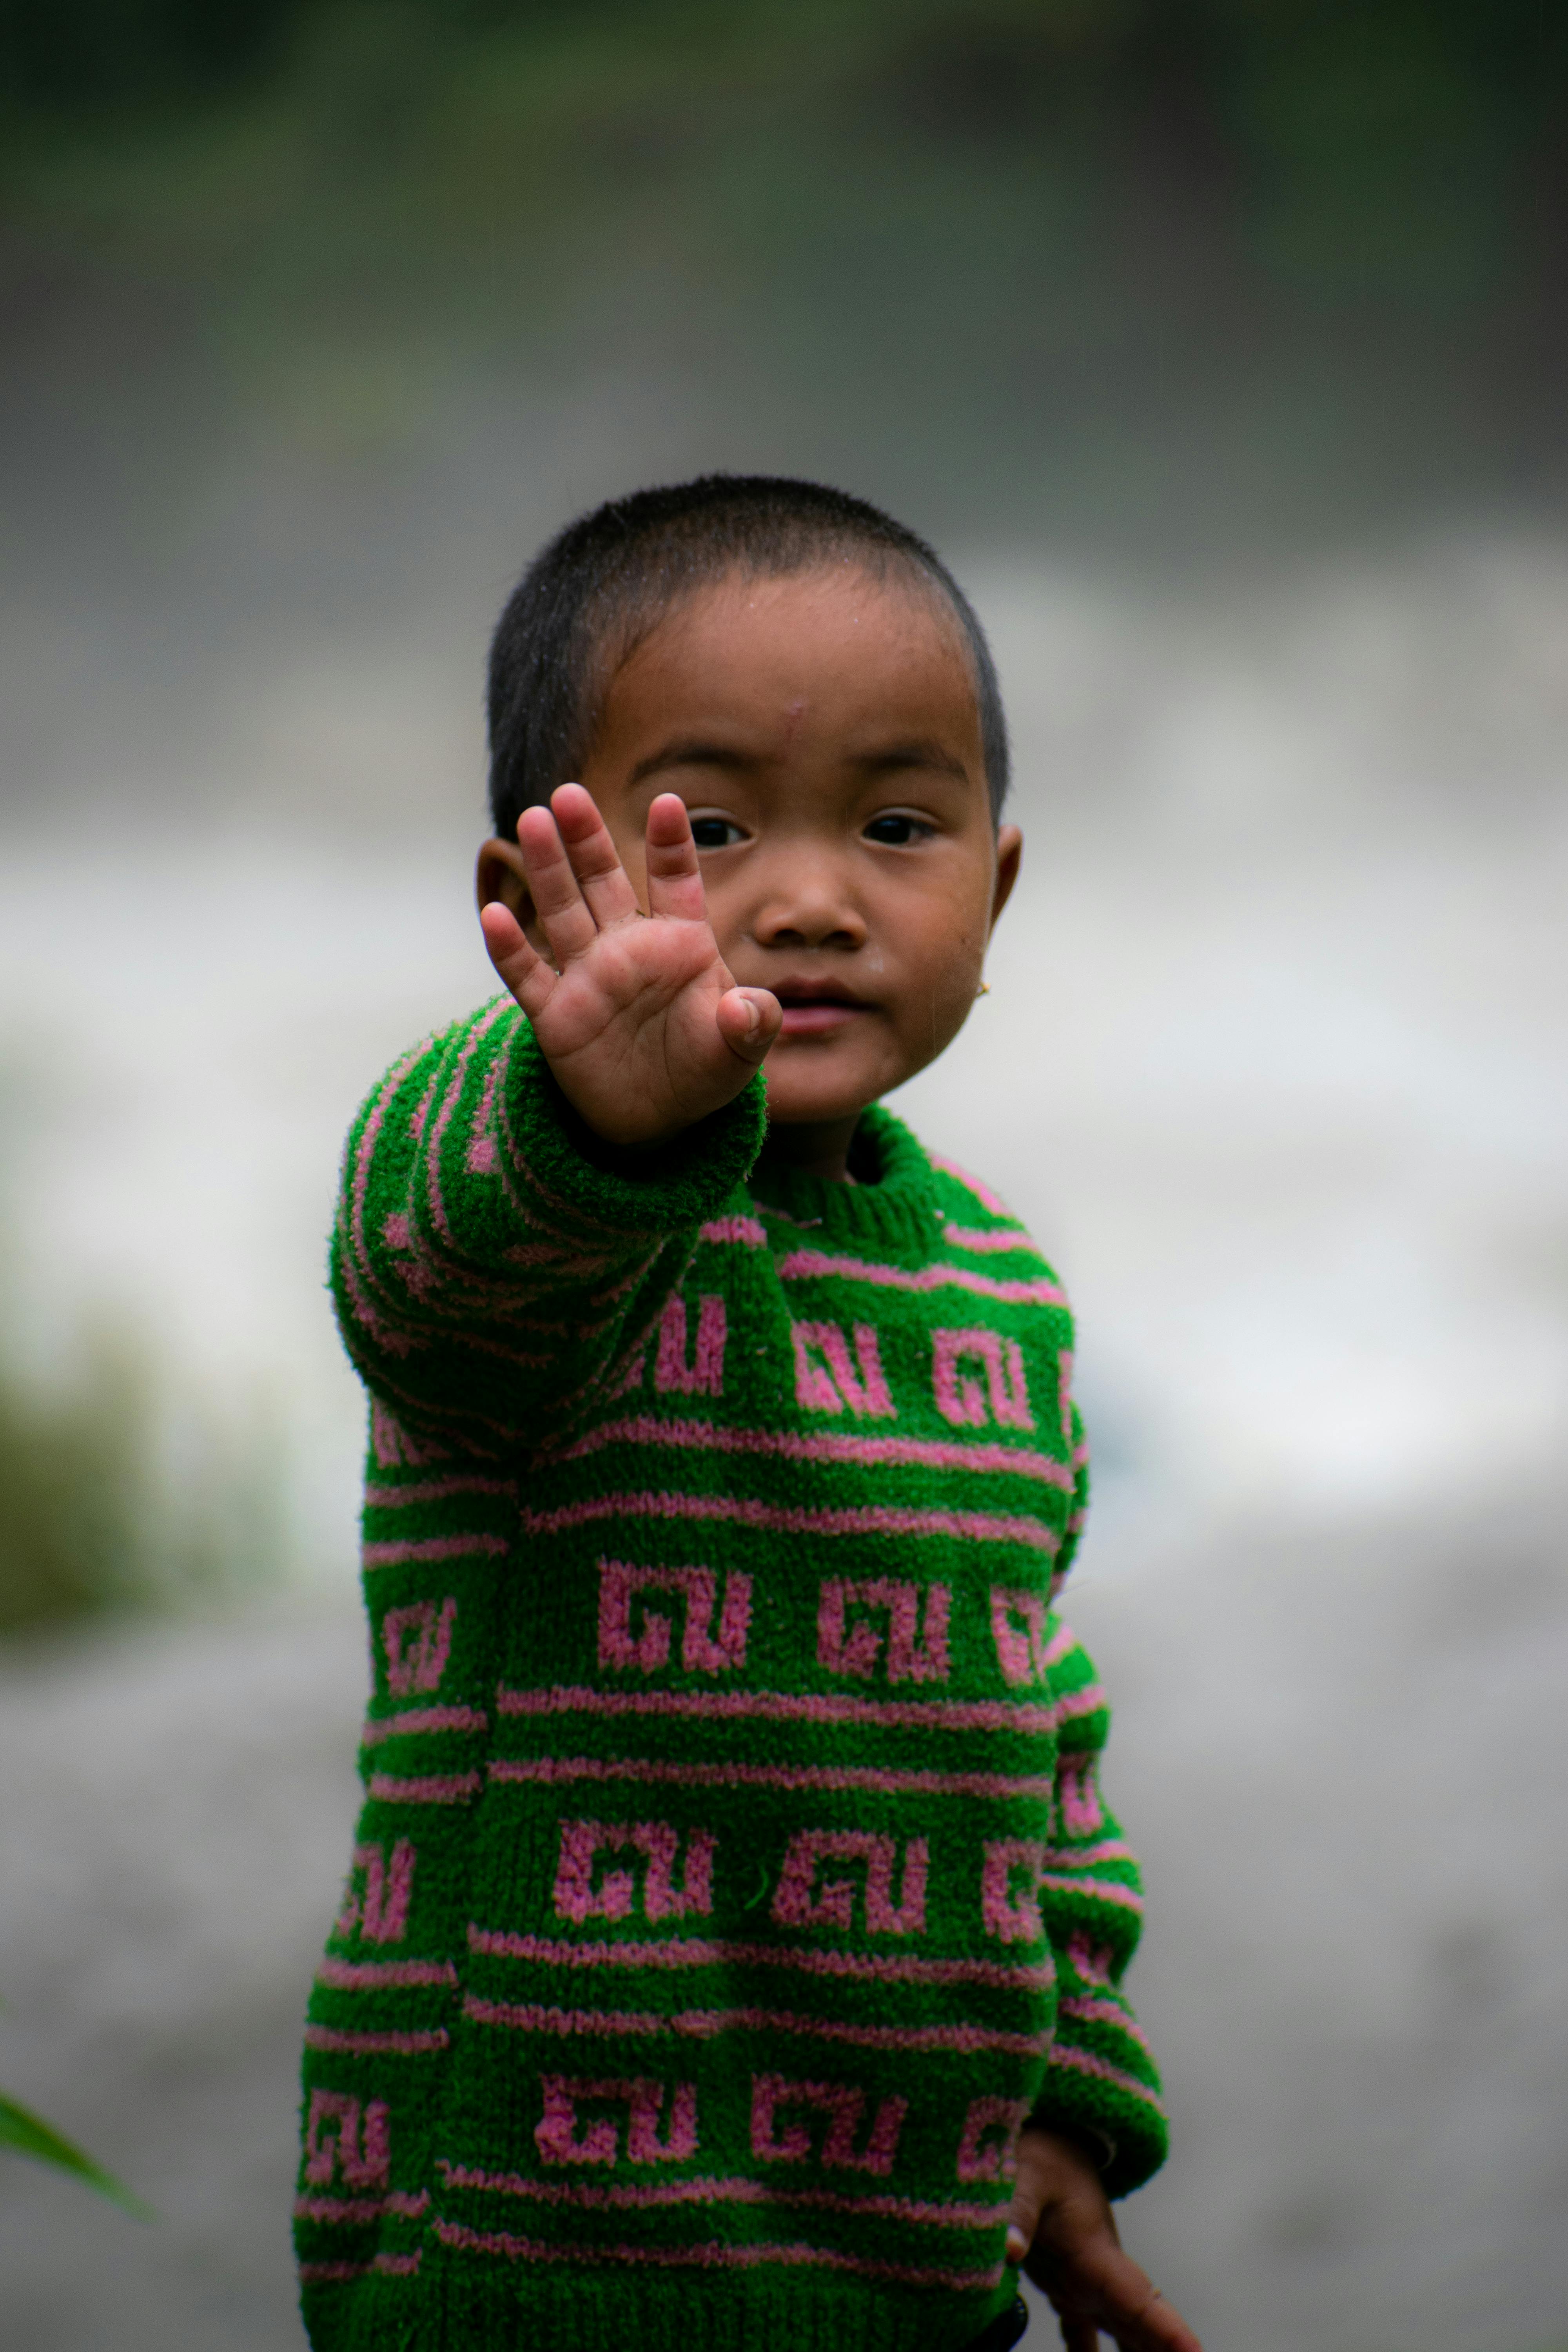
827	649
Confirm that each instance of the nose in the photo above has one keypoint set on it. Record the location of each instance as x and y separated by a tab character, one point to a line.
808	903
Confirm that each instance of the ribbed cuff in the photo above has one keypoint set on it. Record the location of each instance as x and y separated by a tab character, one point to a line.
676	1183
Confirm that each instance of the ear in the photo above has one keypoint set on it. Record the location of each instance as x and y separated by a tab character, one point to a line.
501	874
1009	855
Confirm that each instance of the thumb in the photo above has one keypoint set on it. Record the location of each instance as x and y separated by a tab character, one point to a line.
750	1020
1024	2213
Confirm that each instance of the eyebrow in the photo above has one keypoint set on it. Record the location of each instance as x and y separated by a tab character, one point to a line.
690	752
698	752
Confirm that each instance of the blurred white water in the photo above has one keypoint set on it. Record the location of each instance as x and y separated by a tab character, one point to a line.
1272	1063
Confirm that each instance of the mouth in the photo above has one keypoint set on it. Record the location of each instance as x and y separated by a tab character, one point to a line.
818	1008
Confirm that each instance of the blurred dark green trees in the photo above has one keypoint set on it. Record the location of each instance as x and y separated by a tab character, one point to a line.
1063	254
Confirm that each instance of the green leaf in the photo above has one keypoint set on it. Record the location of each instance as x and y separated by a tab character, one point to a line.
30	2134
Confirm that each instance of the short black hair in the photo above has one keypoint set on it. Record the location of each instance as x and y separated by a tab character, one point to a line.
595	591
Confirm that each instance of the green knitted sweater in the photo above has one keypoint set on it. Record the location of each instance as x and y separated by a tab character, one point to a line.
732	1880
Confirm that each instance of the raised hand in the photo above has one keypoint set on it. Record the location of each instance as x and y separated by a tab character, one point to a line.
637	1015
1064	2233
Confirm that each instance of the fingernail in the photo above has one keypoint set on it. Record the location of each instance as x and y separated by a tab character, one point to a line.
754	1018
1018	2245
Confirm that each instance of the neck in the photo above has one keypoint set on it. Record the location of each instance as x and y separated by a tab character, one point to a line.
812	1148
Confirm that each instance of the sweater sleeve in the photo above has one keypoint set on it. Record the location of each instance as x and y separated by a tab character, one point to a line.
495	1266
1100	2079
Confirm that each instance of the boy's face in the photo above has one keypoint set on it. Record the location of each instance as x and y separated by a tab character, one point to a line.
822	730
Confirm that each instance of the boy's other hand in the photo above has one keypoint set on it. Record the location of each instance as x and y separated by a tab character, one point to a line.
637	1015
1063	2233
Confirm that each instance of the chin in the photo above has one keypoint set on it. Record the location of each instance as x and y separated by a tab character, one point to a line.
795	1099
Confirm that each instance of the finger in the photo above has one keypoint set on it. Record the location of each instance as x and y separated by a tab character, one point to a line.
1130	2308
674	877
593	858
1029	2186
523	972
1079	2335
565	915
749	1021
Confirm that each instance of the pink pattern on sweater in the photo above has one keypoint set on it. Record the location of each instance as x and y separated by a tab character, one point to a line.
339	2136
712	2254
987	2150
790	1706
959	1397
821	1446
1077	1793
396	2045
382	1914
641	2095
1086	2062
987	1240
704	2024
700	1652
909	1658
949	2213
844	2104
376	1976
870	1519
576	1897
836	1383
797	1903
747	1231
809	1265
395	1555
884	1779
417	1642
410	1722
712	1952
705	1375
983	1192
1013	1916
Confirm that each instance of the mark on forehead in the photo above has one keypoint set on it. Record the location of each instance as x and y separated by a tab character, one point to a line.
794	713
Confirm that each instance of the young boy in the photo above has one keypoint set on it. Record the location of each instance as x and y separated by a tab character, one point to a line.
733	1948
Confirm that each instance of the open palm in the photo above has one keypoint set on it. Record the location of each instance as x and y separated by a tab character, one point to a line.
637	1013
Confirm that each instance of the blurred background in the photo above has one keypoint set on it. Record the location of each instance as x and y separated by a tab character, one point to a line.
1222	346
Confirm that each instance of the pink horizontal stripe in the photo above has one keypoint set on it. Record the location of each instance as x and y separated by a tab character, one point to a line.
1106	2012
983	1192
374	1975
870	1519
709	2256
436	1490
746	1229
445	1789
1085	2062
705	2024
770	1775
382	2265
808	1263
1087	1701
823	1445
987	1238
402	2045
700	1952
1076	1858
378	1728
388	1555
1100	1890
361	2209
787	1707
643	2194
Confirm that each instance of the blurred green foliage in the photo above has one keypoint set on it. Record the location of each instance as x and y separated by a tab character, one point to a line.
106	1504
966	226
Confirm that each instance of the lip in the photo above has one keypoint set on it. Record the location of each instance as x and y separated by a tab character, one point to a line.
818	1008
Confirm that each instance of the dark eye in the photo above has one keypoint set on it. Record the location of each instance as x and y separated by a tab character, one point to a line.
897	830
715	832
